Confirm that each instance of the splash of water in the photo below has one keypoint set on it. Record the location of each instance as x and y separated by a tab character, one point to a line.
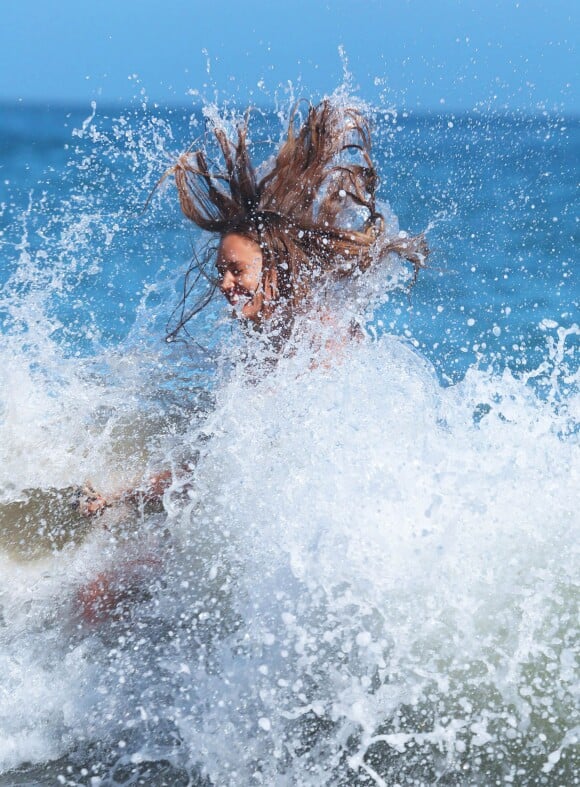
368	577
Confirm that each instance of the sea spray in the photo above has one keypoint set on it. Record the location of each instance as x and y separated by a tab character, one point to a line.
403	595
366	575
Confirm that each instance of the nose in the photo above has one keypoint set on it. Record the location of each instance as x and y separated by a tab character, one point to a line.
227	282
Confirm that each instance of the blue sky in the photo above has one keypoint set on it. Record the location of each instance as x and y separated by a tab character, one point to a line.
427	54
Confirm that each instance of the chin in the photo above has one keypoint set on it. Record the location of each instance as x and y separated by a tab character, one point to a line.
252	312
251	317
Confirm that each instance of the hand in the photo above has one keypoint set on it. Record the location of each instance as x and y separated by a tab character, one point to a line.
88	502
157	485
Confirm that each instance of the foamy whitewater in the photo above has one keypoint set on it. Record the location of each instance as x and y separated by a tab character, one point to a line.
365	571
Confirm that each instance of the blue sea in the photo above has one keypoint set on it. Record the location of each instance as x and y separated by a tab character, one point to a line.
363	573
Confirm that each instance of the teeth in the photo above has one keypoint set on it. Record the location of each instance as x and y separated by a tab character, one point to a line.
234	296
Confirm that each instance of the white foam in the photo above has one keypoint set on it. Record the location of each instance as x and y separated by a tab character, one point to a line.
380	529
383	542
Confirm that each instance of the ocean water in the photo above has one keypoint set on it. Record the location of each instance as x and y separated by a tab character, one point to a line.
364	572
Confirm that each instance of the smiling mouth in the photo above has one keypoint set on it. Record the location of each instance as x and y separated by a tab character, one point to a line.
234	295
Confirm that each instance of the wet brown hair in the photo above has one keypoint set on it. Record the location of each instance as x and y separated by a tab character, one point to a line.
313	211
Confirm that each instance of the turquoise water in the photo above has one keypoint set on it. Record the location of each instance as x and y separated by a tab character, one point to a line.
367	573
501	192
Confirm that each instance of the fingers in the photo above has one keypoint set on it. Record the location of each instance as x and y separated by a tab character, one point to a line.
158	483
88	502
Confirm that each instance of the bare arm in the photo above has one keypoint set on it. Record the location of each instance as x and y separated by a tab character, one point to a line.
92	503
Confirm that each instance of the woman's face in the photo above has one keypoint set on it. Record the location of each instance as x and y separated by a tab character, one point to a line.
239	267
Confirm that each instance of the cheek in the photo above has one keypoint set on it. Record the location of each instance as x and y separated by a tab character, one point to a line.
255	276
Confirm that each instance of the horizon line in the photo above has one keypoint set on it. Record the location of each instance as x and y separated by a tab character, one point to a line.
140	105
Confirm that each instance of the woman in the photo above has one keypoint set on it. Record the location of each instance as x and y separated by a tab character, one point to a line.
307	218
